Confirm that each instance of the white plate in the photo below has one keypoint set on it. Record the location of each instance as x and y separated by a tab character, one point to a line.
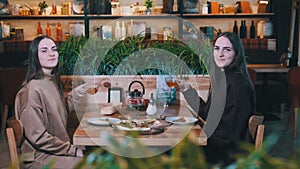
102	121
176	120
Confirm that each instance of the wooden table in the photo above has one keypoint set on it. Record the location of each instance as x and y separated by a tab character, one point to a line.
92	135
268	68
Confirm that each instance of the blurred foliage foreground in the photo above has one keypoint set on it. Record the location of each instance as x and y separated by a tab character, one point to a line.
187	155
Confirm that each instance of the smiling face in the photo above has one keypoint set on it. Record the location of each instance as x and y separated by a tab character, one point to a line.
224	53
48	55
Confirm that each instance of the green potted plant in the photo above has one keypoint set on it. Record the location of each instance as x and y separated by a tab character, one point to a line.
69	51
43	5
87	57
148	4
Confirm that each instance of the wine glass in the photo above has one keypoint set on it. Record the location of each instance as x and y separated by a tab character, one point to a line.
172	84
92	88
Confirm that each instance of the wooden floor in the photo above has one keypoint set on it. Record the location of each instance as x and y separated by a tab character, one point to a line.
283	148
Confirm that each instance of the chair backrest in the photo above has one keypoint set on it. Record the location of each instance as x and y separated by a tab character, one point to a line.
256	129
293	75
15	138
252	74
294	86
11	80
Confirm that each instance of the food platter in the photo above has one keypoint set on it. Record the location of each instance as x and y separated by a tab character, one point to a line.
181	120
136	124
103	121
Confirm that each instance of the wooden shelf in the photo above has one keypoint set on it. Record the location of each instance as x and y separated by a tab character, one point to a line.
154	16
30	17
238	15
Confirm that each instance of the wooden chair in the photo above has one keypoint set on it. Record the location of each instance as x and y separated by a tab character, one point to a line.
15	137
256	129
296	120
10	82
294	95
252	74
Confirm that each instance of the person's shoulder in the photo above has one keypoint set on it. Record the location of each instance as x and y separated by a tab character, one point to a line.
234	77
32	86
238	80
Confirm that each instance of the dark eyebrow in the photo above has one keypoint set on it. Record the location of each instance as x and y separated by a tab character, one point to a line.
227	47
43	47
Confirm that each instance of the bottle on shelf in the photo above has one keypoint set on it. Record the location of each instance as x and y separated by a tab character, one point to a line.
123	31
117	30
260	32
175	6
39	30
235	28
148	33
99	32
130	28
289	58
58	32
252	30
54	11
48	30
243	29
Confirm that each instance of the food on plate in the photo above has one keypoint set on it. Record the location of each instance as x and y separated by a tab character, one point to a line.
138	123
109	108
103	120
180	119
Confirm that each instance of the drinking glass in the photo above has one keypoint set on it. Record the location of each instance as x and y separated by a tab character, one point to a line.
93	88
172	84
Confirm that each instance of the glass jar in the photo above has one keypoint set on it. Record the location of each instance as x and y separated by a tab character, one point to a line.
221	9
204	9
167	33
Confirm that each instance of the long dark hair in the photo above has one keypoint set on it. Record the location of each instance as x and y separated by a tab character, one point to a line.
239	62
34	69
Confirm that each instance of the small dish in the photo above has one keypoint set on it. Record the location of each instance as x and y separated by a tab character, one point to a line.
103	121
181	120
109	108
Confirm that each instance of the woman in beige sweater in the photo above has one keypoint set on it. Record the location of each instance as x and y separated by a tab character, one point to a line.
43	110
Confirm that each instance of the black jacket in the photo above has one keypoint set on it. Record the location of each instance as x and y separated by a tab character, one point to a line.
233	126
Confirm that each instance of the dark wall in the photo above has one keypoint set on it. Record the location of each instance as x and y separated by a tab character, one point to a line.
13	53
282	24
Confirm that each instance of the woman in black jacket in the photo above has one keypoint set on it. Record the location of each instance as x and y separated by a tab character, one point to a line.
230	102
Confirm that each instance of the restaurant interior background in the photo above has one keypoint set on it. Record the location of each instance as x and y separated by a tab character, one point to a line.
14	52
266	50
